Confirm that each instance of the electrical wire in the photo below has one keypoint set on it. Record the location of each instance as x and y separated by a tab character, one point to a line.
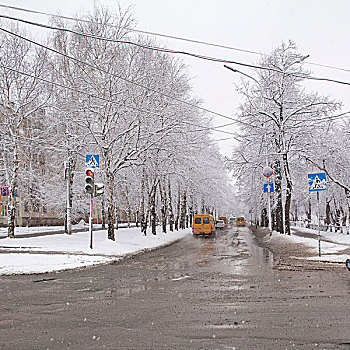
166	36
144	46
104	99
120	77
159	49
70	57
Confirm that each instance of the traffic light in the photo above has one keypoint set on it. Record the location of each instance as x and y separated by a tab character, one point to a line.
99	189
89	180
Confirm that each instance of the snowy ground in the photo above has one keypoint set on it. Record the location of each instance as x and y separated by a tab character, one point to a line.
336	249
61	251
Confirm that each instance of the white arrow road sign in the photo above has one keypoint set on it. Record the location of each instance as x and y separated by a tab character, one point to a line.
269	187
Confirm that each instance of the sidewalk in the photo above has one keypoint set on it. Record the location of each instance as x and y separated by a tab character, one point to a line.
43	249
300	250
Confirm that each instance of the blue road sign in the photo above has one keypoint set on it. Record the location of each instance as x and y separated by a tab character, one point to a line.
317	182
92	160
269	187
4	192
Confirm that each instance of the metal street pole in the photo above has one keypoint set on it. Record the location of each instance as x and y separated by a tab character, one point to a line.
268	195
68	209
90	220
267	163
270	216
319	220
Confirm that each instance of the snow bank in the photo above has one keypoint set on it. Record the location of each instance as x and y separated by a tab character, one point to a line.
62	251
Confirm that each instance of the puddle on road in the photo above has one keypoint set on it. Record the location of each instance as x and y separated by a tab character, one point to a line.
232	251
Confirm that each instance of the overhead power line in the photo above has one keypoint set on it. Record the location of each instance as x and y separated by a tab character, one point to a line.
135	30
159	49
168	36
122	78
145	111
109	101
173	37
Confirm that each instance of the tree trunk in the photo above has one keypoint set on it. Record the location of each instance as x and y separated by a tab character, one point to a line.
264	218
153	210
164	207
110	204
183	211
110	219
327	220
308	214
347	195
170	208
137	219
278	193
336	215
142	207
103	215
288	195
128	210
116	217
12	199
178	209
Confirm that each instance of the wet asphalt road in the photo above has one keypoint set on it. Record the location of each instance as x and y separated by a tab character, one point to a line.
210	294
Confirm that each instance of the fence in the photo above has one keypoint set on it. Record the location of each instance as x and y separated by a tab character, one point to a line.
323	227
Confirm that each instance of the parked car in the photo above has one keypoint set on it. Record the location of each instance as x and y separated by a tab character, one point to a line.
232	220
220	224
224	218
347	263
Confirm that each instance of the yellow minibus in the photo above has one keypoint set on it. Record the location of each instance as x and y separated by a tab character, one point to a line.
203	224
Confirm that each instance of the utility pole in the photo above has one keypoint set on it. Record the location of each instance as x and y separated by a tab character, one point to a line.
90	220
90	188
67	175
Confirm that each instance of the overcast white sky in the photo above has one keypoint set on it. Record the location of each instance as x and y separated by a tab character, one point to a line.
320	28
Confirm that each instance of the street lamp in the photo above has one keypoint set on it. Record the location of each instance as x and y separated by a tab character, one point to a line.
240	72
267	162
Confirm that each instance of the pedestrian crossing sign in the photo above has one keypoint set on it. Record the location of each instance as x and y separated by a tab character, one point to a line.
317	182
92	161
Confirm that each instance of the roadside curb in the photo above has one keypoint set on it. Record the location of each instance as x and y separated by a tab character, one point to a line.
289	255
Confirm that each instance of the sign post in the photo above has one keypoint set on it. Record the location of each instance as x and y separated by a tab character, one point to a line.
318	182
267	172
92	161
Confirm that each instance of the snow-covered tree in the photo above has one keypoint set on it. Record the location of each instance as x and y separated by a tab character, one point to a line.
22	99
279	118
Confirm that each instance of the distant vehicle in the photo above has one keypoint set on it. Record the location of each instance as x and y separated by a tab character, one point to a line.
232	220
240	221
224	218
220	224
203	224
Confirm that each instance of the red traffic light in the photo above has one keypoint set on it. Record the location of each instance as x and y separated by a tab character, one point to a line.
89	172
89	180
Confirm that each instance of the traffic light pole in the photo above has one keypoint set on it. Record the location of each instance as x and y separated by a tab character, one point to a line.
90	219
69	220
94	189
68	208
